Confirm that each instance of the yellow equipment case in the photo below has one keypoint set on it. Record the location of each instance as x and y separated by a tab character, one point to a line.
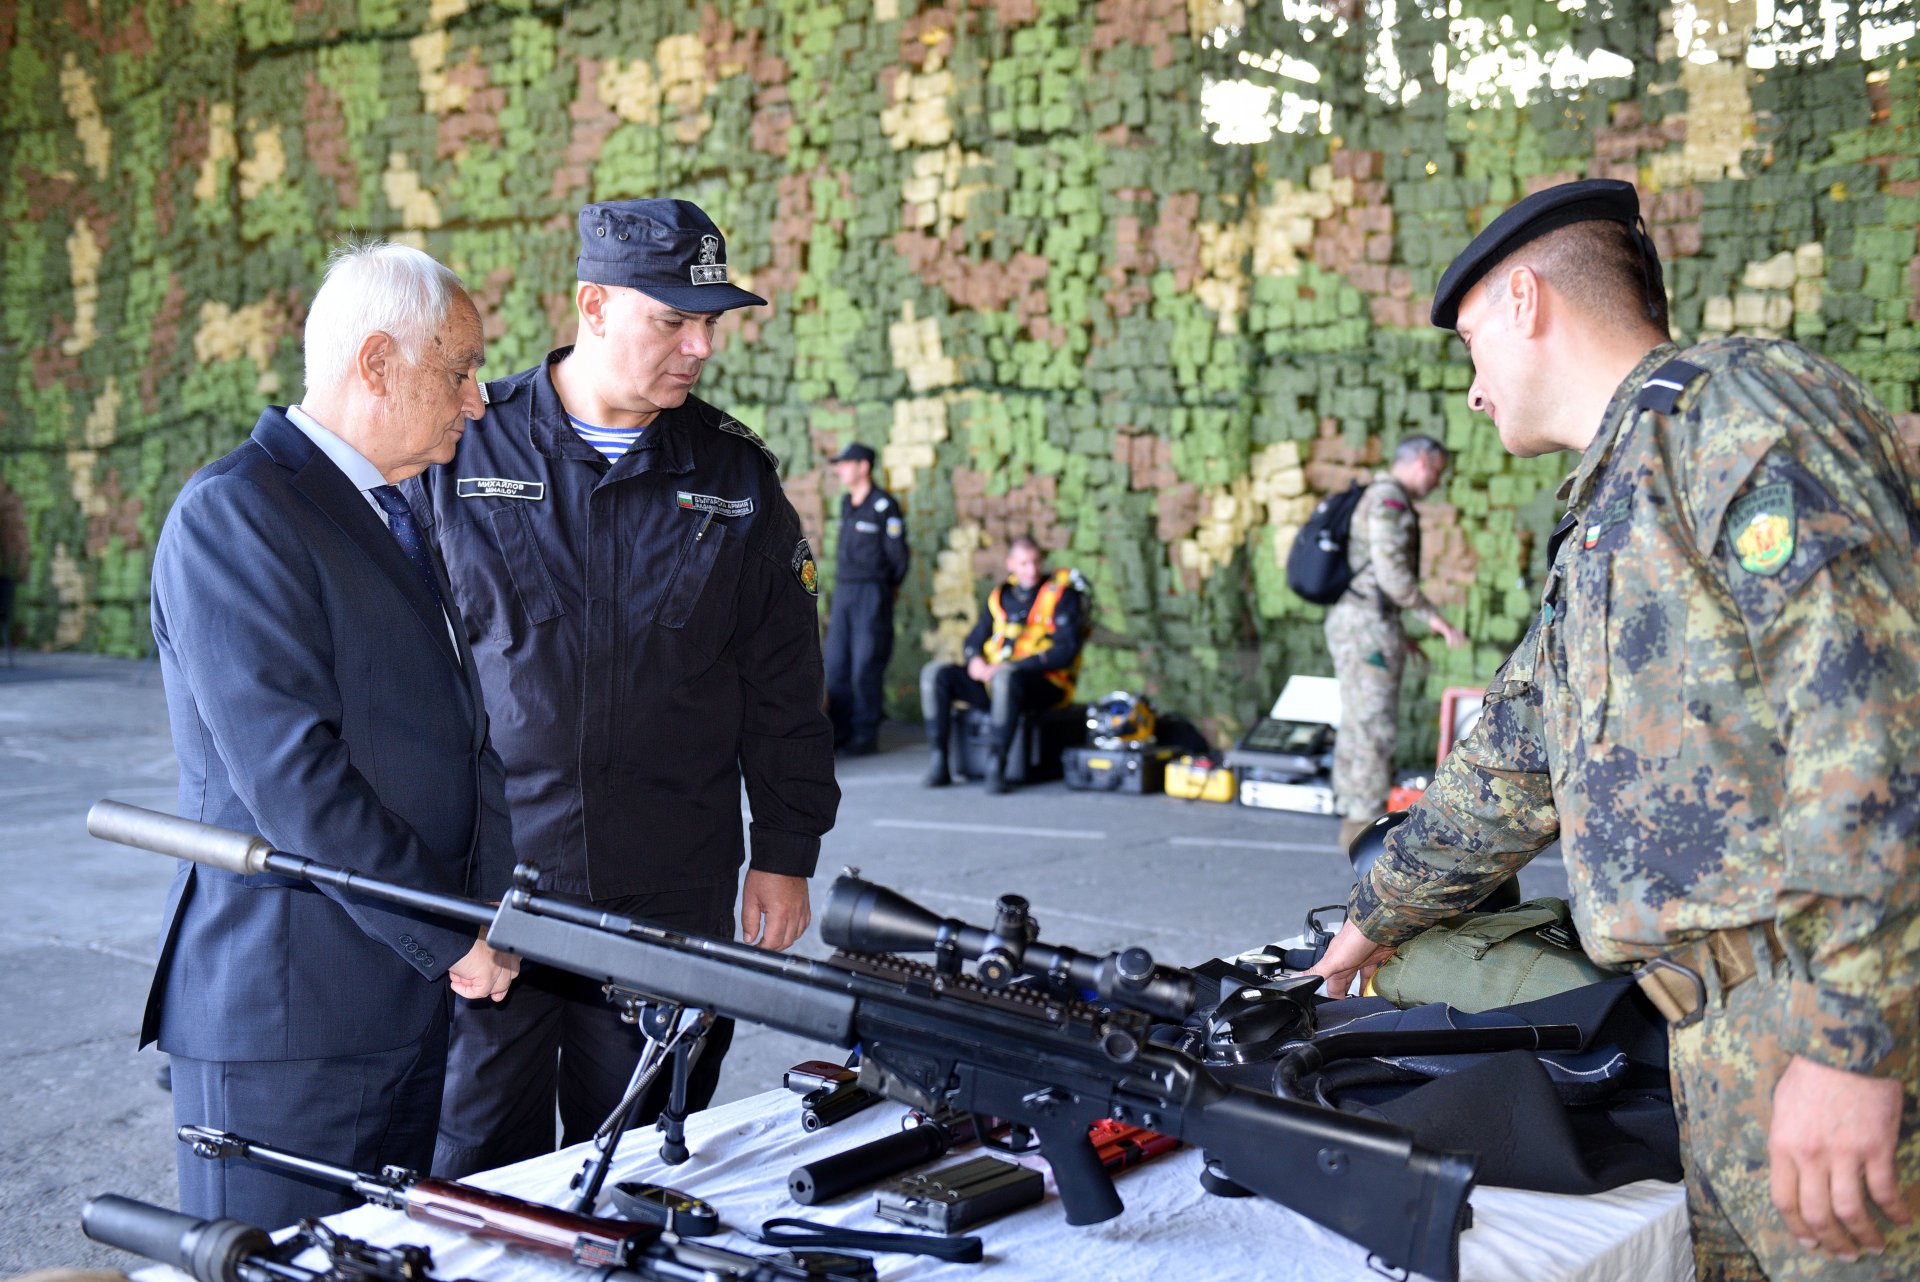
1199	779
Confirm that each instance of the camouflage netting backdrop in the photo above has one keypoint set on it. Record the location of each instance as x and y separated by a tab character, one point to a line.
1144	277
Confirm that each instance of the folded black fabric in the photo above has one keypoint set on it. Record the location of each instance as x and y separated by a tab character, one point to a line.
1579	1121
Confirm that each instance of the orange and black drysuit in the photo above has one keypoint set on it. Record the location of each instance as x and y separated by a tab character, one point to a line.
1036	633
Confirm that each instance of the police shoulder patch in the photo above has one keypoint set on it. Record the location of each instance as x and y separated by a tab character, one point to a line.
804	568
1761	527
894	527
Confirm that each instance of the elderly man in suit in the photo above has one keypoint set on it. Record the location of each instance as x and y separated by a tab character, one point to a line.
321	693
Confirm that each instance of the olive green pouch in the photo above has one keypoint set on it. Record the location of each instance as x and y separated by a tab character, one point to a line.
1478	961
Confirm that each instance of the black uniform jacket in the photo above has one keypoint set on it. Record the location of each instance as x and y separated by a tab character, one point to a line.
647	634
873	540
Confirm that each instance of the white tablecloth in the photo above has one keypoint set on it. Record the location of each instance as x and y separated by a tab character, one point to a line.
1171	1230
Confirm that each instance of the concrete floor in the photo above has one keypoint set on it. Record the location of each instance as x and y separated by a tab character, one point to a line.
1186	880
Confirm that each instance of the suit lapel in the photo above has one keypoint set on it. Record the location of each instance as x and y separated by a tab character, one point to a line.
327	488
472	674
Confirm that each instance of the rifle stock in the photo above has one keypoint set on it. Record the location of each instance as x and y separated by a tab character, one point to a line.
1369	1183
1033	1056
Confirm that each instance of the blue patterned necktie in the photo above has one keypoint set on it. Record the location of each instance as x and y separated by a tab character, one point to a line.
406	532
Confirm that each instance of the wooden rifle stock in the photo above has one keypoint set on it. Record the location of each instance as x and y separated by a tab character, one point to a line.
585	1239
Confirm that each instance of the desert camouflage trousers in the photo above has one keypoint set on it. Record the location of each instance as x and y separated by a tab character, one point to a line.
1724	1070
1369	652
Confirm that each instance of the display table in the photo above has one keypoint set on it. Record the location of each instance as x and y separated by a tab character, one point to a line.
1171	1229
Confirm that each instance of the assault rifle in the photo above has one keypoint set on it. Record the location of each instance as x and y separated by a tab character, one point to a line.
1032	1054
230	1251
585	1239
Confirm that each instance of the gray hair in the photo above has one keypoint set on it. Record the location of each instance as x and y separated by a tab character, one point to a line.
374	286
1418	449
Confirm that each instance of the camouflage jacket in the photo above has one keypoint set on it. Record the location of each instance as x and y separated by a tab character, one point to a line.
1383	547
1717	708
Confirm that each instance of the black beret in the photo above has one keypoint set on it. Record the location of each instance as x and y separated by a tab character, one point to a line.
1591	199
669	250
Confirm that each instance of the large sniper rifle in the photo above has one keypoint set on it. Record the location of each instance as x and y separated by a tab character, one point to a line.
1030	1053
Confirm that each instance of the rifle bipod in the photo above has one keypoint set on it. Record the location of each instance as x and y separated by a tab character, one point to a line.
676	1035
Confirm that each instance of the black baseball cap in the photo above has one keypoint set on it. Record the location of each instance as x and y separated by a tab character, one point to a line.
854	453
1546	210
669	250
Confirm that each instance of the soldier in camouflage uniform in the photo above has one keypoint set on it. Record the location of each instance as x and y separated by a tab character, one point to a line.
1714	712
1364	633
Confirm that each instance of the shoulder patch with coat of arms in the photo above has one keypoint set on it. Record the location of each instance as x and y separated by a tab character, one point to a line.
804	568
1761	527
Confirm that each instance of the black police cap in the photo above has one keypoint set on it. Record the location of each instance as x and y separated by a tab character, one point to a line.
669	250
854	453
1590	200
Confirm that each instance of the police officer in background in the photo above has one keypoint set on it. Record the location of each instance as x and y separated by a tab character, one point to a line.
870	566
641	606
1022	656
1365	633
1714	713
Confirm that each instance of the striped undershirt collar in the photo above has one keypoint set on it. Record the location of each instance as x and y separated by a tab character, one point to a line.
612	442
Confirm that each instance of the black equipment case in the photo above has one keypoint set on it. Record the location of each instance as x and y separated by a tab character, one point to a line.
1131	770
1038	740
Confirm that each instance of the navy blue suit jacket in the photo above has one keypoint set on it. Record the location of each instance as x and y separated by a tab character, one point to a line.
317	699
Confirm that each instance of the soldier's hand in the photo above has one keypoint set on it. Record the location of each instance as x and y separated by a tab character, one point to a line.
1453	636
1831	1149
1350	954
774	909
484	972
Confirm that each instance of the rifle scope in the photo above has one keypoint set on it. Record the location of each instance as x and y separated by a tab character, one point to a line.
864	918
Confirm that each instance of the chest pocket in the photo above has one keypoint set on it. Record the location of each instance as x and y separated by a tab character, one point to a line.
502	581
513	534
1625	632
697	601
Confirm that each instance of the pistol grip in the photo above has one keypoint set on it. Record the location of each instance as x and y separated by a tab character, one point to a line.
1086	1190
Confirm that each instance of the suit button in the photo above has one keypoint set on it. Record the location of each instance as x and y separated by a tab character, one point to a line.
426	959
406	941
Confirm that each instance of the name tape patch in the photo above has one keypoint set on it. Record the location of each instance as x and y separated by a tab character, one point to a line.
498	487
714	504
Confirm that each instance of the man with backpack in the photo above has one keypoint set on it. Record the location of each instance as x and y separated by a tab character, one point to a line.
1364	633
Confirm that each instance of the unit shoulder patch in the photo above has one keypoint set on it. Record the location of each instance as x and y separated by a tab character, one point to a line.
1761	527
804	568
895	527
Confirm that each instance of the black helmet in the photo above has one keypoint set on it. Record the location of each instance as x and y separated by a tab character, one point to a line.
1366	848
